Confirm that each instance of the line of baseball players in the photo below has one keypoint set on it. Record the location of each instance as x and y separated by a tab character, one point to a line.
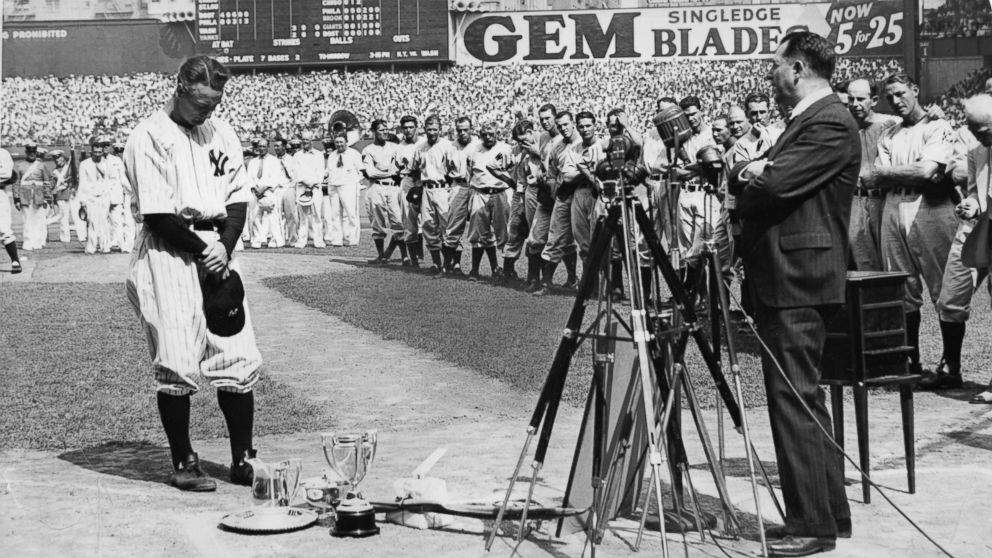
93	201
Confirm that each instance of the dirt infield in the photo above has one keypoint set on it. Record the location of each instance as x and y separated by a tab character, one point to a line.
112	500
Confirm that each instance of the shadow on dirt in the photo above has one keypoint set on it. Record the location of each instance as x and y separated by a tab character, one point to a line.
141	461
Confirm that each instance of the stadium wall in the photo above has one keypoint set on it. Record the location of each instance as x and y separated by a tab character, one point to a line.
61	48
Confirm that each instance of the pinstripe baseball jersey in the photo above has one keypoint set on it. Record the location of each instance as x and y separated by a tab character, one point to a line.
193	173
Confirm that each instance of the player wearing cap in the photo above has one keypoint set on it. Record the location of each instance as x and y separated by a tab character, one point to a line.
32	196
121	219
7	177
63	191
309	166
191	193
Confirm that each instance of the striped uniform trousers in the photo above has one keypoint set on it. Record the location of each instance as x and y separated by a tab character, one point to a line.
164	288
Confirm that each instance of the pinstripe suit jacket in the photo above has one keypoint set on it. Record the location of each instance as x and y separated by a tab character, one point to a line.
795	214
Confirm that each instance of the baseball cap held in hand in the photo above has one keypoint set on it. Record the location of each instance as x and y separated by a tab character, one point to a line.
223	303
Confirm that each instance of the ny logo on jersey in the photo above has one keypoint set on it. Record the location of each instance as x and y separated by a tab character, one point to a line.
219	161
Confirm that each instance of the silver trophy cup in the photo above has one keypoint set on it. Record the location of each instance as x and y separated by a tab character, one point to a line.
350	455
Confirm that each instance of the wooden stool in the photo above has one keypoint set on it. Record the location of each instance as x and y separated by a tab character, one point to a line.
866	347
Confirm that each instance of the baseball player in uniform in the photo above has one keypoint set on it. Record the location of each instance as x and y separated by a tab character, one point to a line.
191	195
309	166
959	282
267	175
918	220
121	218
564	177
699	210
585	200
540	221
429	160
32	196
64	190
383	195
460	195
866	211
343	174
7	177
97	183
526	168
409	212
487	166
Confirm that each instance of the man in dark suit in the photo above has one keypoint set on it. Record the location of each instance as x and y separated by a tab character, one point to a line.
795	205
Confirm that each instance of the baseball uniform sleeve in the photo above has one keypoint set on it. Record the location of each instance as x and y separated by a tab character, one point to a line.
149	166
6	166
939	143
238	184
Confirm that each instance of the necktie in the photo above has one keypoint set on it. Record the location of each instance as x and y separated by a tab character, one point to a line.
261	162
340	161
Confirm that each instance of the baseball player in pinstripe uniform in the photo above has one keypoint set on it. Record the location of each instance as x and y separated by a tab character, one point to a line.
918	221
487	166
191	196
563	176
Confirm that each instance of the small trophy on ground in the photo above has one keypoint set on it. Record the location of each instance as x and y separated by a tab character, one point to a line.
350	455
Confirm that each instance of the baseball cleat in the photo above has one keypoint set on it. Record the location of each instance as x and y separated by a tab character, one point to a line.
242	473
191	478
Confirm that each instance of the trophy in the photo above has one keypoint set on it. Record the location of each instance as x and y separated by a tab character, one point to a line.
350	455
275	484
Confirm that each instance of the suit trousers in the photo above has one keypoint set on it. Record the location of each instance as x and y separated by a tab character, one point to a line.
810	468
865	232
310	227
98	225
35	227
289	212
340	209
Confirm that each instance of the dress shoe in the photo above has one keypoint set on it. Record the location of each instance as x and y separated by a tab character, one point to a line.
791	546
190	477
778	531
945	377
241	472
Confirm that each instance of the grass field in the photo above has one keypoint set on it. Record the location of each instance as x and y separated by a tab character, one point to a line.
499	331
76	373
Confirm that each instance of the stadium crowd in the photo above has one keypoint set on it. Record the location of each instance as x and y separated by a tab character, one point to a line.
68	111
958	18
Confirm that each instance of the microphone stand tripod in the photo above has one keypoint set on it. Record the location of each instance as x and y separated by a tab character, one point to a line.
622	211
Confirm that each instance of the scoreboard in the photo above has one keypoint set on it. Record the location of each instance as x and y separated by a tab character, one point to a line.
274	32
